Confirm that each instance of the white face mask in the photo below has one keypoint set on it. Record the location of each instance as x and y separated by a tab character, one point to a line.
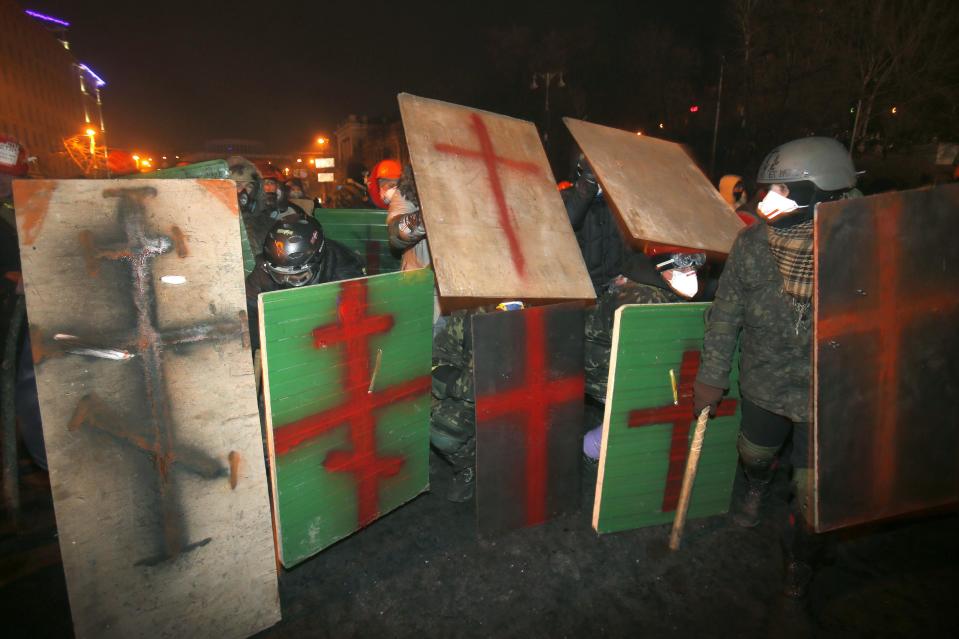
774	205
387	194
685	284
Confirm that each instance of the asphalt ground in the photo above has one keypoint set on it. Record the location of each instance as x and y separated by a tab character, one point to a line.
422	571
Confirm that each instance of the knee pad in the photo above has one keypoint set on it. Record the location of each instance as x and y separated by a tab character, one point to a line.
754	456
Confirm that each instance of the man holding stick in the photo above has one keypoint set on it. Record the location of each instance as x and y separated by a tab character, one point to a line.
765	299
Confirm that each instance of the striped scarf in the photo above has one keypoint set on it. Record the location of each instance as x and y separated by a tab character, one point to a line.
792	248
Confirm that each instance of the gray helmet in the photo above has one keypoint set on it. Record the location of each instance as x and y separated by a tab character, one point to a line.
292	251
822	161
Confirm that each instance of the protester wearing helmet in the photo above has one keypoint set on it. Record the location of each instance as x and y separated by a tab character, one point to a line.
404	222
382	182
662	274
764	302
295	253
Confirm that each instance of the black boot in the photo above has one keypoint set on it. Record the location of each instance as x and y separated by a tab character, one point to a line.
748	506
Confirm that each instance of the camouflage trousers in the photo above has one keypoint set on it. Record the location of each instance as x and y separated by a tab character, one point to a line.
599	328
453	417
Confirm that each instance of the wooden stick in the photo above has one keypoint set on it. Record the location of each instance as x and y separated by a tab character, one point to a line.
692	463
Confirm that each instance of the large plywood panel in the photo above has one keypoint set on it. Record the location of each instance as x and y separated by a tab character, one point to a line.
886	433
496	224
657	191
647	430
528	373
136	304
347	369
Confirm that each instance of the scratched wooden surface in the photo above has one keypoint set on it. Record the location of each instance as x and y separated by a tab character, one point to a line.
528	374
320	404
162	510
656	189
641	466
498	230
886	381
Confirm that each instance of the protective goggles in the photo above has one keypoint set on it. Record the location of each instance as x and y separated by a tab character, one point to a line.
682	261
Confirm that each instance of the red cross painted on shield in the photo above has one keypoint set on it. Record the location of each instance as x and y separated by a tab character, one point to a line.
353	329
487	154
531	401
680	416
893	312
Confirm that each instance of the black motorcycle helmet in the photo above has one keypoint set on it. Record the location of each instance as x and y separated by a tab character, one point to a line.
293	250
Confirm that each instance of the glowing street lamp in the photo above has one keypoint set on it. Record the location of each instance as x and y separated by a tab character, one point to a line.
321	140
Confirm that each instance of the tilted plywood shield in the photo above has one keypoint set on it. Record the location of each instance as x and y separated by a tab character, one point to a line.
657	191
347	370
495	222
647	425
136	303
528	372
886	433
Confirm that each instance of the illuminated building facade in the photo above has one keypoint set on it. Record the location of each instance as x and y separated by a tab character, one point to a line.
47	98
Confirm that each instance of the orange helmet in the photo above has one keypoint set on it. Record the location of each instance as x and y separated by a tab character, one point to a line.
384	170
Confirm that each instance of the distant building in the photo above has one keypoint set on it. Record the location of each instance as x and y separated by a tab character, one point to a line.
360	142
47	98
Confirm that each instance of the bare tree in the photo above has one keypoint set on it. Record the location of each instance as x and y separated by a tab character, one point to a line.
893	44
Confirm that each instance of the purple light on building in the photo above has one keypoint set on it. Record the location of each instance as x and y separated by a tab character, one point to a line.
100	81
40	16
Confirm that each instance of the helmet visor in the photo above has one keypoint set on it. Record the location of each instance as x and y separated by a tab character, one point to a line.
289	275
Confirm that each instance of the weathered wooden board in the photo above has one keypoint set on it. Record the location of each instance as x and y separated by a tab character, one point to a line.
646	435
496	224
211	169
347	379
136	304
656	190
886	381
528	378
363	231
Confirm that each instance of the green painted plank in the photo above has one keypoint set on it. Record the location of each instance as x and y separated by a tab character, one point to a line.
211	169
326	431
636	486
363	231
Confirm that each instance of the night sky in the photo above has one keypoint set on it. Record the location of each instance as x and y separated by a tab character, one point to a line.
179	73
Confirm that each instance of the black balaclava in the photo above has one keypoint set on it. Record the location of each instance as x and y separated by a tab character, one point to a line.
808	194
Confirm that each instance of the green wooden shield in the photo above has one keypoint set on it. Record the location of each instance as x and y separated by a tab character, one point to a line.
647	428
346	381
362	231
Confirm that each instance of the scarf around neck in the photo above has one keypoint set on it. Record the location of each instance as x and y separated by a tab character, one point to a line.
792	249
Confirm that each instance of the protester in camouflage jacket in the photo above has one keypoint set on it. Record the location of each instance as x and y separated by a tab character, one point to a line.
776	355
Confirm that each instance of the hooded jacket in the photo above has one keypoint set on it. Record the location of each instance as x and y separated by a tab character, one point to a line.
596	231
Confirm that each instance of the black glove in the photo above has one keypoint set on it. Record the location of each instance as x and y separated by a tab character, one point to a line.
705	395
411	226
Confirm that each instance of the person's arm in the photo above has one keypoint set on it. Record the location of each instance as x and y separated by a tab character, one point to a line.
724	321
579	198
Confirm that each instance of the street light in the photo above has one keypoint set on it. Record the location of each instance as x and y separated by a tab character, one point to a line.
321	140
547	80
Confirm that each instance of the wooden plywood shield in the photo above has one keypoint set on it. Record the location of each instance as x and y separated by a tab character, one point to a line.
362	231
656	190
528	373
886	381
647	429
138	325
496	223
347	370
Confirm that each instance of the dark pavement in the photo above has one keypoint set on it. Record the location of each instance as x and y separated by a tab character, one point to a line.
423	572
